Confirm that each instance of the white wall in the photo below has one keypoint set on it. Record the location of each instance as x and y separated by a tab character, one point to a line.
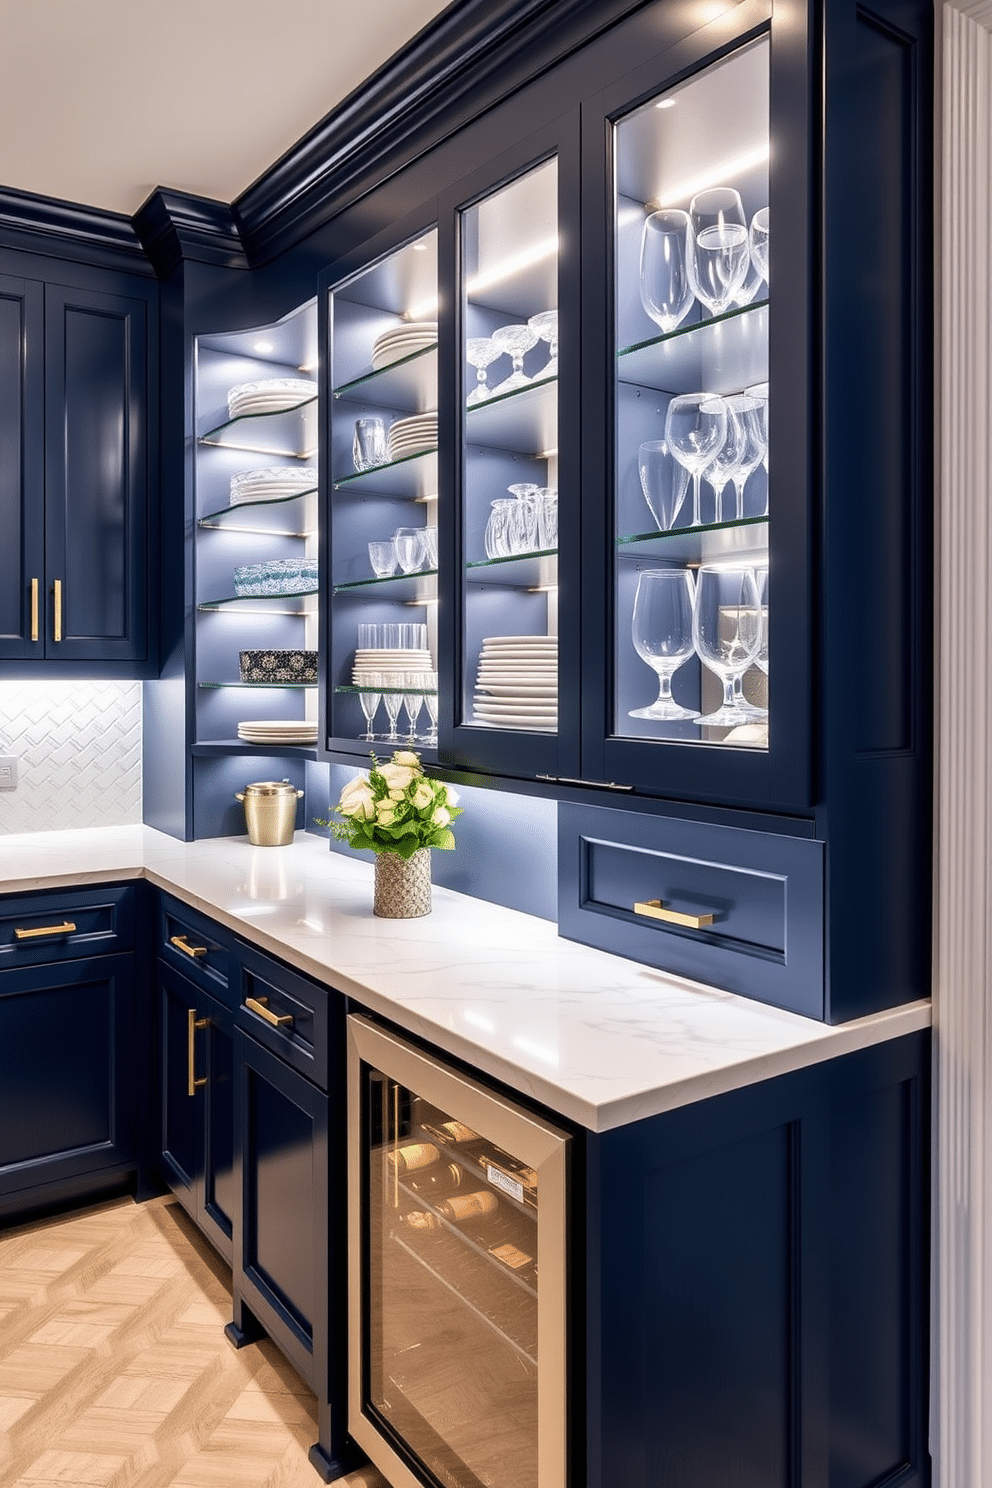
78	748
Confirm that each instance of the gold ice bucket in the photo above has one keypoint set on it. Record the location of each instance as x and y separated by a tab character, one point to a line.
270	811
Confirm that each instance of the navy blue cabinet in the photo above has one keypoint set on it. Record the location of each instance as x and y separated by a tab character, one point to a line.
68	1029
77	388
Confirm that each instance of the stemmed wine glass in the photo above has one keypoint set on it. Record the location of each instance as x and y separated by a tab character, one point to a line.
695	428
761	659
719	257
725	463
661	629
392	697
479	352
664	482
369	696
545	323
666	292
726	632
430	702
753	448
759	242
759	390
516	340
413	701
752	283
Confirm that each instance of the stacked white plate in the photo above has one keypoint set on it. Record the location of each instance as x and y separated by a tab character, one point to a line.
277	731
369	662
272	395
402	341
275	483
517	683
411	436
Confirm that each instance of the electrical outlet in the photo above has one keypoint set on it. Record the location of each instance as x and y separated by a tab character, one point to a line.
8	772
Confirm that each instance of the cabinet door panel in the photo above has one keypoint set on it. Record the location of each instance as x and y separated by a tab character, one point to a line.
181	1115
96	392
220	1183
66	1092
22	464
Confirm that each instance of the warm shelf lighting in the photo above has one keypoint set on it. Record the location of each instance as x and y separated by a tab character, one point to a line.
665	103
264	348
727	171
547	248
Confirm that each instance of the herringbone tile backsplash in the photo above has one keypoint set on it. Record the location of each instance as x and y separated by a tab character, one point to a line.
78	748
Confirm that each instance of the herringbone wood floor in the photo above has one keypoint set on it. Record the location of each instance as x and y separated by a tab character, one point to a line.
114	1369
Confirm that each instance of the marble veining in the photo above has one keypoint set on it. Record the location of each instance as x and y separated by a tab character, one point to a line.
599	1039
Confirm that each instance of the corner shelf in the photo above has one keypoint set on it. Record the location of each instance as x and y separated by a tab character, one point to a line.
225	518
408	385
291	432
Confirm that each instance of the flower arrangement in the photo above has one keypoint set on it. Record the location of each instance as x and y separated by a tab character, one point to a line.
396	808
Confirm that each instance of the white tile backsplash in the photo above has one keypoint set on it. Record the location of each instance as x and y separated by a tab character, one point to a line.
78	749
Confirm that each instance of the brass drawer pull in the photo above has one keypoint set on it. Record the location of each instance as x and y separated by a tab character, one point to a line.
257	1005
181	944
57	592
192	1024
66	928
655	910
34	609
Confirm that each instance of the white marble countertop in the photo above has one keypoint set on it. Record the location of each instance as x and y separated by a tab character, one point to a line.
602	1040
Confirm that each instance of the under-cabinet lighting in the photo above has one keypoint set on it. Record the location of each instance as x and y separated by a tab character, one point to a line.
665	103
264	348
729	170
548	454
420	247
417	604
541	588
547	248
432	496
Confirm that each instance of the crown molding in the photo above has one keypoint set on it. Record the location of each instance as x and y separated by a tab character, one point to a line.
43	224
173	226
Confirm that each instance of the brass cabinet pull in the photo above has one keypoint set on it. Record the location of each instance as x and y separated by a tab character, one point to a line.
57	592
181	944
66	928
655	910
257	1005
192	1024
34	609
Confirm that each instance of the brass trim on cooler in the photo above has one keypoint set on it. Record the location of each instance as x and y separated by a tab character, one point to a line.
655	910
57	593
34	609
66	928
192	1024
258	1005
181	944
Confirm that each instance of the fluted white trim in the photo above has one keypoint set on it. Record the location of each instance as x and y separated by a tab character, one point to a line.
961	1429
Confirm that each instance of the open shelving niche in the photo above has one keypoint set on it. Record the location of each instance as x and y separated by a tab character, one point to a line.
369	505
229	535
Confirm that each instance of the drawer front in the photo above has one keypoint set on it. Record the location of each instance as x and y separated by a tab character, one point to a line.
739	909
284	1011
40	928
196	946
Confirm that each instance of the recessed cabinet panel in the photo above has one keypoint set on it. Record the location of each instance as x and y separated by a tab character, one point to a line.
22	466
692	507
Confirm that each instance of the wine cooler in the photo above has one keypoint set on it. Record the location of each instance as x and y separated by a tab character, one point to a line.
457	1263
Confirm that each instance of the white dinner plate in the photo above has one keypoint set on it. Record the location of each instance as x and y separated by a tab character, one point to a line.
517	640
516	690
522	722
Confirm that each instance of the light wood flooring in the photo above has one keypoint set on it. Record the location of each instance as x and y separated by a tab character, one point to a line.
114	1368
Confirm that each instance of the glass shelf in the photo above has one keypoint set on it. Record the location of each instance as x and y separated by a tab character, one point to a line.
291	431
524	420
242	746
254	685
415	476
302	603
408	385
689	545
724	354
398	586
228	517
423	691
519	571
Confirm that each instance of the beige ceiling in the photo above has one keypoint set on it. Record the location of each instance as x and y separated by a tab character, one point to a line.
103	100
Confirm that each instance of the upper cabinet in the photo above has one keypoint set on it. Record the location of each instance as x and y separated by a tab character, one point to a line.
77	486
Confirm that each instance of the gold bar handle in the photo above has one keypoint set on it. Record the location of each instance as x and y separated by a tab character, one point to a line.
655	910
181	944
257	1005
66	928
34	609
57	592
192	1024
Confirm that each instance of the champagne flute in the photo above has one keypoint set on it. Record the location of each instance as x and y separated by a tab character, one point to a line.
695	427
759	390
430	702
392	697
719	257
369	696
666	292
661	629
413	701
726	633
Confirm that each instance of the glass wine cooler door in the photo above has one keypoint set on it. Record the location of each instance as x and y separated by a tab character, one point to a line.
457	1275
693	503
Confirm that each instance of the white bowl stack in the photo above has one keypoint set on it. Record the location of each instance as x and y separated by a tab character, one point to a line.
277	731
272	395
412	436
403	341
517	683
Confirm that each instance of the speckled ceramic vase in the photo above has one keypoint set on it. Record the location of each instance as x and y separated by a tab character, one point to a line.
402	885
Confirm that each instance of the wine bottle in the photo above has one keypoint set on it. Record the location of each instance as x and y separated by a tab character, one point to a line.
453	1133
438	1182
462	1208
415	1155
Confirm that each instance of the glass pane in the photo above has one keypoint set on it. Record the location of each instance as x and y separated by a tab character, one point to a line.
510	478
383	505
692	508
453	1292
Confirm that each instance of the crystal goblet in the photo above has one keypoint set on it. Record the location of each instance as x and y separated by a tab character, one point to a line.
516	341
545	323
479	352
726	633
758	239
695	428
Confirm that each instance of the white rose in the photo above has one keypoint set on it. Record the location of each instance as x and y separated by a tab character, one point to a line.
385	814
451	795
359	784
422	795
397	777
358	802
441	818
407	757
396	795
